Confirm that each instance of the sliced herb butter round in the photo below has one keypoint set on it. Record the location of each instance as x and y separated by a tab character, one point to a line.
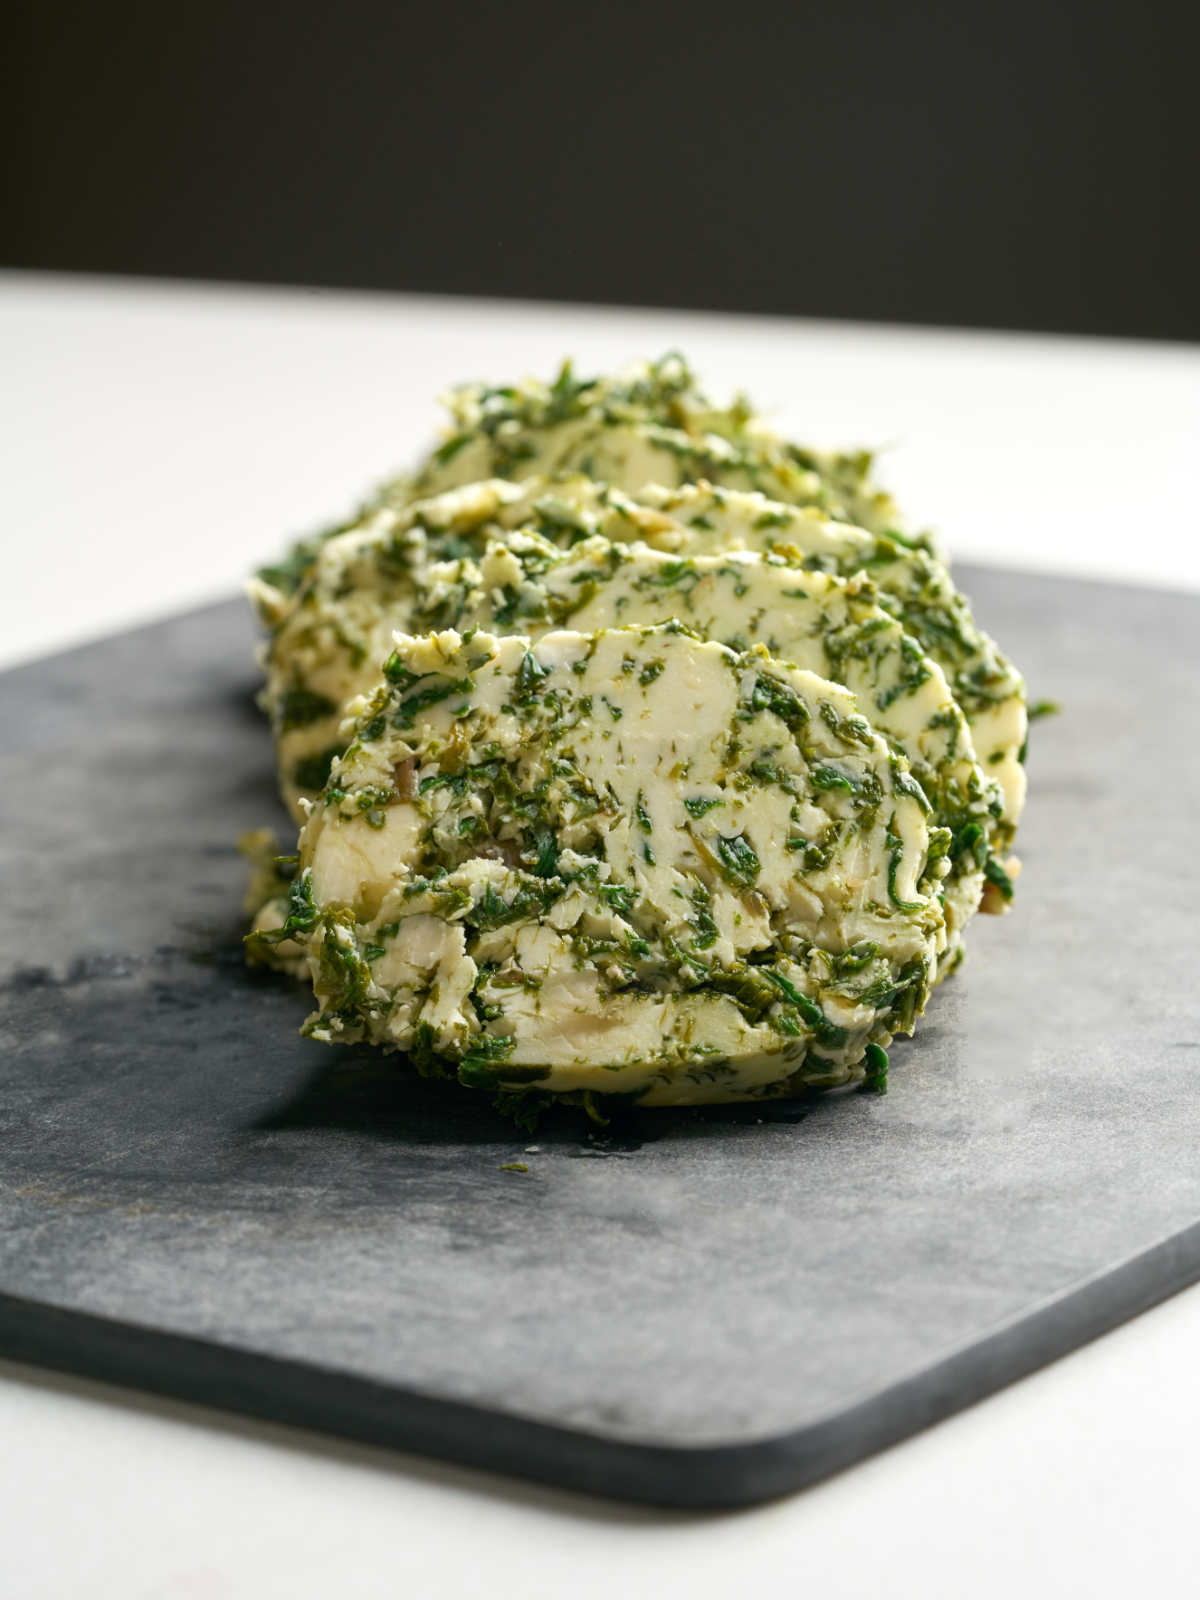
649	425
331	628
331	612
381	576
911	582
820	621
628	861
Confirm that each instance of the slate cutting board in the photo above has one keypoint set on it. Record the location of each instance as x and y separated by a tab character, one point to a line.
698	1310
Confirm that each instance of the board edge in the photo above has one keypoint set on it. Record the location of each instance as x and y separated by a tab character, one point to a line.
704	1477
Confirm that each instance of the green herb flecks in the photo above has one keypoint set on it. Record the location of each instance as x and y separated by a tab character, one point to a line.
617	896
302	911
411	707
770	694
530	674
998	878
298	706
446	452
547	853
971	842
533	897
875	1059
312	772
739	862
480	1067
895	846
828	1033
707	932
397	674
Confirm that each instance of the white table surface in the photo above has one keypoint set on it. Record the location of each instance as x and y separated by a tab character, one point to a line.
157	441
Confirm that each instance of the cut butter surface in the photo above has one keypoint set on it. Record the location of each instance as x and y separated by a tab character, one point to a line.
822	622
330	635
912	583
629	861
638	751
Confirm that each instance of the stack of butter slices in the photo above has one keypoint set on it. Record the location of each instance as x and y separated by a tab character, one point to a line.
635	751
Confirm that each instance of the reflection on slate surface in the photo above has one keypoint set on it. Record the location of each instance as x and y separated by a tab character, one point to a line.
173	1154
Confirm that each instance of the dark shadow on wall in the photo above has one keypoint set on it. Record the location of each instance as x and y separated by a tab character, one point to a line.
1031	165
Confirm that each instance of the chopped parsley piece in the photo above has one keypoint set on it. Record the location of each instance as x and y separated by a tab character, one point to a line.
996	875
411	707
876	1060
312	772
530	673
738	860
298	706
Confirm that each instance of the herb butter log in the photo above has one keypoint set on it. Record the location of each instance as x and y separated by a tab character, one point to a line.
815	618
331	632
626	862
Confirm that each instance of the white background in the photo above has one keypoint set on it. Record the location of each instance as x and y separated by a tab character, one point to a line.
158	441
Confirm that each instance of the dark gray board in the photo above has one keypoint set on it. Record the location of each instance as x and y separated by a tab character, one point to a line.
707	1310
